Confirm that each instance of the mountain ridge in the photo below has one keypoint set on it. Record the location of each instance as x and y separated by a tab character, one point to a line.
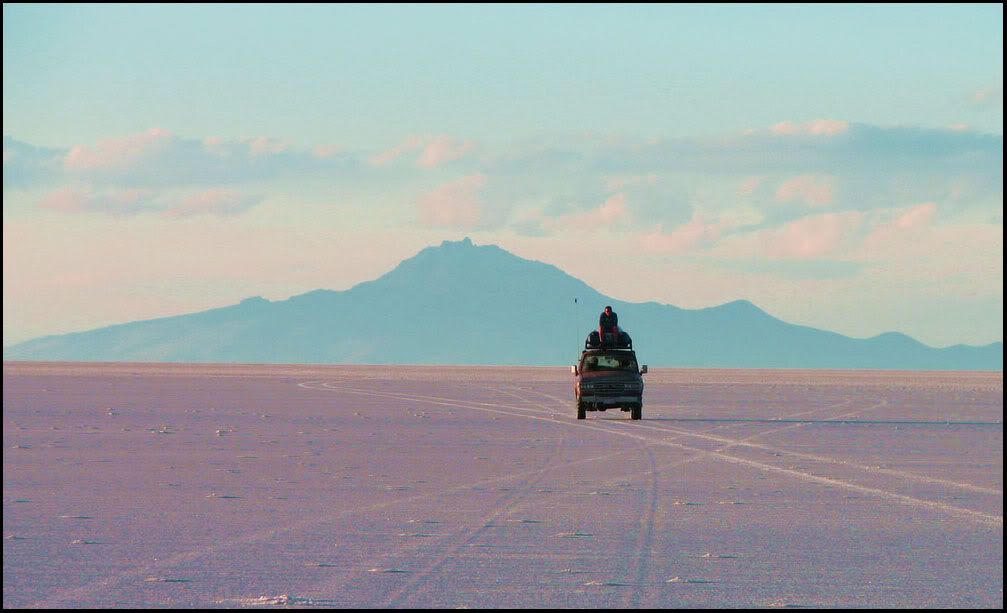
462	303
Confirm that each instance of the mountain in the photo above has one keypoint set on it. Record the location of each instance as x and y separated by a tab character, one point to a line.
460	303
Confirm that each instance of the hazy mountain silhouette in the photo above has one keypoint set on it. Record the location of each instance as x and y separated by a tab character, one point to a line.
459	303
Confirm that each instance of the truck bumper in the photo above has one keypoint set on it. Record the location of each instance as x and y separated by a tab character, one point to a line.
611	401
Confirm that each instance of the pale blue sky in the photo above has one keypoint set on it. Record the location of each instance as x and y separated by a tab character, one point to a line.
367	75
840	166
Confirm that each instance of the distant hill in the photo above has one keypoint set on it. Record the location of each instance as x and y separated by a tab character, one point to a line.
459	303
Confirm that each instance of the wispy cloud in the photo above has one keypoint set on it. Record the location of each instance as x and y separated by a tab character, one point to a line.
131	202
442	149
682	186
25	164
749	185
431	151
988	96
814	236
264	145
821	147
836	235
917	216
119	153
114	203
410	144
696	234
813	190
221	202
607	215
817	127
616	183
159	158
898	226
326	151
454	205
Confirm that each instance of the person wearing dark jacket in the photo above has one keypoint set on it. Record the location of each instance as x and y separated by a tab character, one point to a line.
608	322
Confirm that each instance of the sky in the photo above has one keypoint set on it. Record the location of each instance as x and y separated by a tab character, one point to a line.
839	166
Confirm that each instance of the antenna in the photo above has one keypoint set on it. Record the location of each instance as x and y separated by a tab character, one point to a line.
576	334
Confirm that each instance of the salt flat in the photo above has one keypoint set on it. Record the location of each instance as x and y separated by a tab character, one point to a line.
270	486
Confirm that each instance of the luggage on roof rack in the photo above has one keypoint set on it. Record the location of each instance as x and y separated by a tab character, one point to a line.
612	340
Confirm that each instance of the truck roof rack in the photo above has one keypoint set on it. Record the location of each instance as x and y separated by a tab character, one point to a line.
608	350
622	340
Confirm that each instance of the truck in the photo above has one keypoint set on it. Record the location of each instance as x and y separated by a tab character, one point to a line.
607	377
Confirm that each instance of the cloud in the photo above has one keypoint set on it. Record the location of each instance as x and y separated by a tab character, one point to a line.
116	203
900	225
326	151
433	151
821	237
749	185
532	226
130	202
442	149
158	159
610	213
775	177
454	205
777	174
263	145
917	216
25	164
548	202
818	127
696	234
859	149
814	190
814	236
614	184
412	143
221	202
613	209
988	96
119	153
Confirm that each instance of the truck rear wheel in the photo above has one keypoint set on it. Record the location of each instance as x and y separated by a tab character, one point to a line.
637	412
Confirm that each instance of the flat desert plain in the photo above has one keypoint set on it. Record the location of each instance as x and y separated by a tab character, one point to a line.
132	485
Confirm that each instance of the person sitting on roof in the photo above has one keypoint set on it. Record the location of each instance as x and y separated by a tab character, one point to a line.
608	322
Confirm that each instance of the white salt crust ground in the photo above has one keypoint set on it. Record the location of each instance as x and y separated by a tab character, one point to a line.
290	486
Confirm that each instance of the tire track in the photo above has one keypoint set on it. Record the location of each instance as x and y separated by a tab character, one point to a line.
645	552
642	554
727	426
614	427
829	460
643	549
645	546
746	442
412	590
419	581
76	594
